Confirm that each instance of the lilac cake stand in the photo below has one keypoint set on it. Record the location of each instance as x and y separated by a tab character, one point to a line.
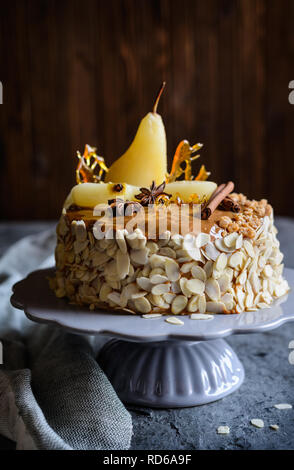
149	361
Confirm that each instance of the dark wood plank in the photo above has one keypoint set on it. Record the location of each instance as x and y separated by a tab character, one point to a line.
77	72
280	114
16	140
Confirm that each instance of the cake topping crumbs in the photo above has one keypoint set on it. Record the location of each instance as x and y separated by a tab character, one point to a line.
248	221
283	406
223	430
258	423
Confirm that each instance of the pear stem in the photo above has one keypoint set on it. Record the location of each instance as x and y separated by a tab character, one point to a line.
158	97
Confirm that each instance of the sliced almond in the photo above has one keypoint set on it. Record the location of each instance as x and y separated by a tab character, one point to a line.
174	321
183	287
177	239
104	291
79	246
220	245
142	305
258	423
230	240
167	251
156	271
139	256
239	242
159	289
157	261
195	286
164	238
275	427
255	283
114	297
127	292
186	267
152	315
132	239
223	430
175	287
249	300
211	252
240	295
212	289
194	253
202	239
122	264
283	406
208	267
156	300
168	297
198	273
221	262
172	269
144	283
201	316
268	271
249	248
223	282
158	279
179	304
193	304
120	240
242	278
152	246
228	300
235	260
138	295
202	303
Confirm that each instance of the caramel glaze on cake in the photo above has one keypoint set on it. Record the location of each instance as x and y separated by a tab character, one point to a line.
229	264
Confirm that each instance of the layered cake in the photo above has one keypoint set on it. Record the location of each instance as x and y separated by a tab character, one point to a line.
147	241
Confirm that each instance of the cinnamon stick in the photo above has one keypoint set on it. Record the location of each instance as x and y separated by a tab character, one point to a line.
216	198
229	204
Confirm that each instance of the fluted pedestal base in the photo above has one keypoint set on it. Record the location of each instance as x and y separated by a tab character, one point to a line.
171	374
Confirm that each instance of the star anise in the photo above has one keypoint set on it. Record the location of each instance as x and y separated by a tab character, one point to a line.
120	207
148	196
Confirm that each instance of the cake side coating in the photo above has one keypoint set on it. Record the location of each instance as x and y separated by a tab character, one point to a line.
234	264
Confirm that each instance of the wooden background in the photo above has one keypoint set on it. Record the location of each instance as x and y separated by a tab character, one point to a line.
86	71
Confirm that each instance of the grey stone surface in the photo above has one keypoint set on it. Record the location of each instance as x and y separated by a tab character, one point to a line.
269	380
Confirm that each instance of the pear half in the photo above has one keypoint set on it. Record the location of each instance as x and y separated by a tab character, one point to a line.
91	194
186	189
145	160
